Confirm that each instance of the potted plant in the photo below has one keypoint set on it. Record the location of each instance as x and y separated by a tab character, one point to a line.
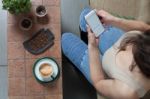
17	6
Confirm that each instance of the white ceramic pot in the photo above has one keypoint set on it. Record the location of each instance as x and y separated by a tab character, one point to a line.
41	11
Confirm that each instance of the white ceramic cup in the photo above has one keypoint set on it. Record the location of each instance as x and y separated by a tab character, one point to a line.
49	76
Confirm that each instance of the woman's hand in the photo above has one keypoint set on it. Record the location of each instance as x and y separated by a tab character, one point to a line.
106	18
126	25
92	40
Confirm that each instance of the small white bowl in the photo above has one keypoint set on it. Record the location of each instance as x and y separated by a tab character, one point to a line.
41	7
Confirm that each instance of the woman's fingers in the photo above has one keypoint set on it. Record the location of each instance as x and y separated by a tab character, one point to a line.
107	18
90	34
91	37
88	29
97	41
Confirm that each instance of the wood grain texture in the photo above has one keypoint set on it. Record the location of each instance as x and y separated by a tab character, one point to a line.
144	11
120	7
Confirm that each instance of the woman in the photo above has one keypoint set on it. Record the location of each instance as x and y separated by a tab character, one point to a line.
122	53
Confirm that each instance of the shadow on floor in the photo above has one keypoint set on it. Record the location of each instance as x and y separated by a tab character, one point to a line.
75	86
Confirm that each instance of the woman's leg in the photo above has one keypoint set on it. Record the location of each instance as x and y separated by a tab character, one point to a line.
76	51
109	37
82	20
83	30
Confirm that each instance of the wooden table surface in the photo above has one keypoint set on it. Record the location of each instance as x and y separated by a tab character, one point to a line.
22	84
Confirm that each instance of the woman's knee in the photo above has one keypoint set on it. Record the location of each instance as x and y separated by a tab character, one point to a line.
66	37
67	41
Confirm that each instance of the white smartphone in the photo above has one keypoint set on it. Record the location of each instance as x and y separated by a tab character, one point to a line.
94	23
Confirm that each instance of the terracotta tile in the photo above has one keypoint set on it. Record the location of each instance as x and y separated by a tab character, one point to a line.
33	87
59	61
14	29
54	88
55	51
45	54
33	13
16	68
36	2
35	97
17	97
54	14
35	28
13	19
15	34
53	97
51	2
29	67
16	50
56	29
16	87
37	20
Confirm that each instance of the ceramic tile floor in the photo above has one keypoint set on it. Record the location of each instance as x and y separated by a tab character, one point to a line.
22	84
12	38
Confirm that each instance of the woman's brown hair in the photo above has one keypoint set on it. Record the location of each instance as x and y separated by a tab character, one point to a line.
140	49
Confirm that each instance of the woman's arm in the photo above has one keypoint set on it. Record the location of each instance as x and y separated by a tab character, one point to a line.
126	25
94	59
115	89
129	25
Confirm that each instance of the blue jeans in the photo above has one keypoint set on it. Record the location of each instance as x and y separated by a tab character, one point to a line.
77	51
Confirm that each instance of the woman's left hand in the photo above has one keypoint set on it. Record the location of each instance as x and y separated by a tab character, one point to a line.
92	40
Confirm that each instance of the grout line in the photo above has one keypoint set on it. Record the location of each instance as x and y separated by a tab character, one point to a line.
3	65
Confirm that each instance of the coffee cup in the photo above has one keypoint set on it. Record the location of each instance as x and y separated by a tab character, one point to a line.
46	71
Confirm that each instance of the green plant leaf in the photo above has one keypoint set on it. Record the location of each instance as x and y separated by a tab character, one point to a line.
17	6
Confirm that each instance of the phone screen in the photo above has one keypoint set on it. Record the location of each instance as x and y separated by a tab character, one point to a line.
94	23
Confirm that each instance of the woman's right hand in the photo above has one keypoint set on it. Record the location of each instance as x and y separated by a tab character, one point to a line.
106	18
